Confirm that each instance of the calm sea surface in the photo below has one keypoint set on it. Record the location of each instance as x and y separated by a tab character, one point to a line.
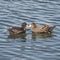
29	46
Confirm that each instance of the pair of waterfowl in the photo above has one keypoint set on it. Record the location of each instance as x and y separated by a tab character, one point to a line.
34	28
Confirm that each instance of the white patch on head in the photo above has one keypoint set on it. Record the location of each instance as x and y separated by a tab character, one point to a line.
28	26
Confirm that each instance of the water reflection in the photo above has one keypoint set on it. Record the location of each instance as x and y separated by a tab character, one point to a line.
23	36
41	35
15	36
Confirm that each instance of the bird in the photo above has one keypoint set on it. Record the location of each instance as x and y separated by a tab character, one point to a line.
44	28
18	30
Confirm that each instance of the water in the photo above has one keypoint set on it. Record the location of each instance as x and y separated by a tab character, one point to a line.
30	46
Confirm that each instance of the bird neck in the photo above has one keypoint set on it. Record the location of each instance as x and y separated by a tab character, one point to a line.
23	27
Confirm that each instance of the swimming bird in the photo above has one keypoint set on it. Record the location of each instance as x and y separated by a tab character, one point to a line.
44	28
18	30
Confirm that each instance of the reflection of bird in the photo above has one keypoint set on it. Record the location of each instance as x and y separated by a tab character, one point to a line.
43	28
41	35
15	36
18	30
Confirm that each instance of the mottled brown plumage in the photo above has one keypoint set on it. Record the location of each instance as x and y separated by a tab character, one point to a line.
18	30
43	28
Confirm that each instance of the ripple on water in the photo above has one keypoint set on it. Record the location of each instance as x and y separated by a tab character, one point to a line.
30	46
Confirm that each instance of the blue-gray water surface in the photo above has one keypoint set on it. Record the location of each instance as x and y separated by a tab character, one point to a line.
29	46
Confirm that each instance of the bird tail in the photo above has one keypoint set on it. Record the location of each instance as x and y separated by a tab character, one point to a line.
51	28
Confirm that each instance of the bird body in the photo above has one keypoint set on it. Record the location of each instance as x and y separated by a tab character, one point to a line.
43	28
18	30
